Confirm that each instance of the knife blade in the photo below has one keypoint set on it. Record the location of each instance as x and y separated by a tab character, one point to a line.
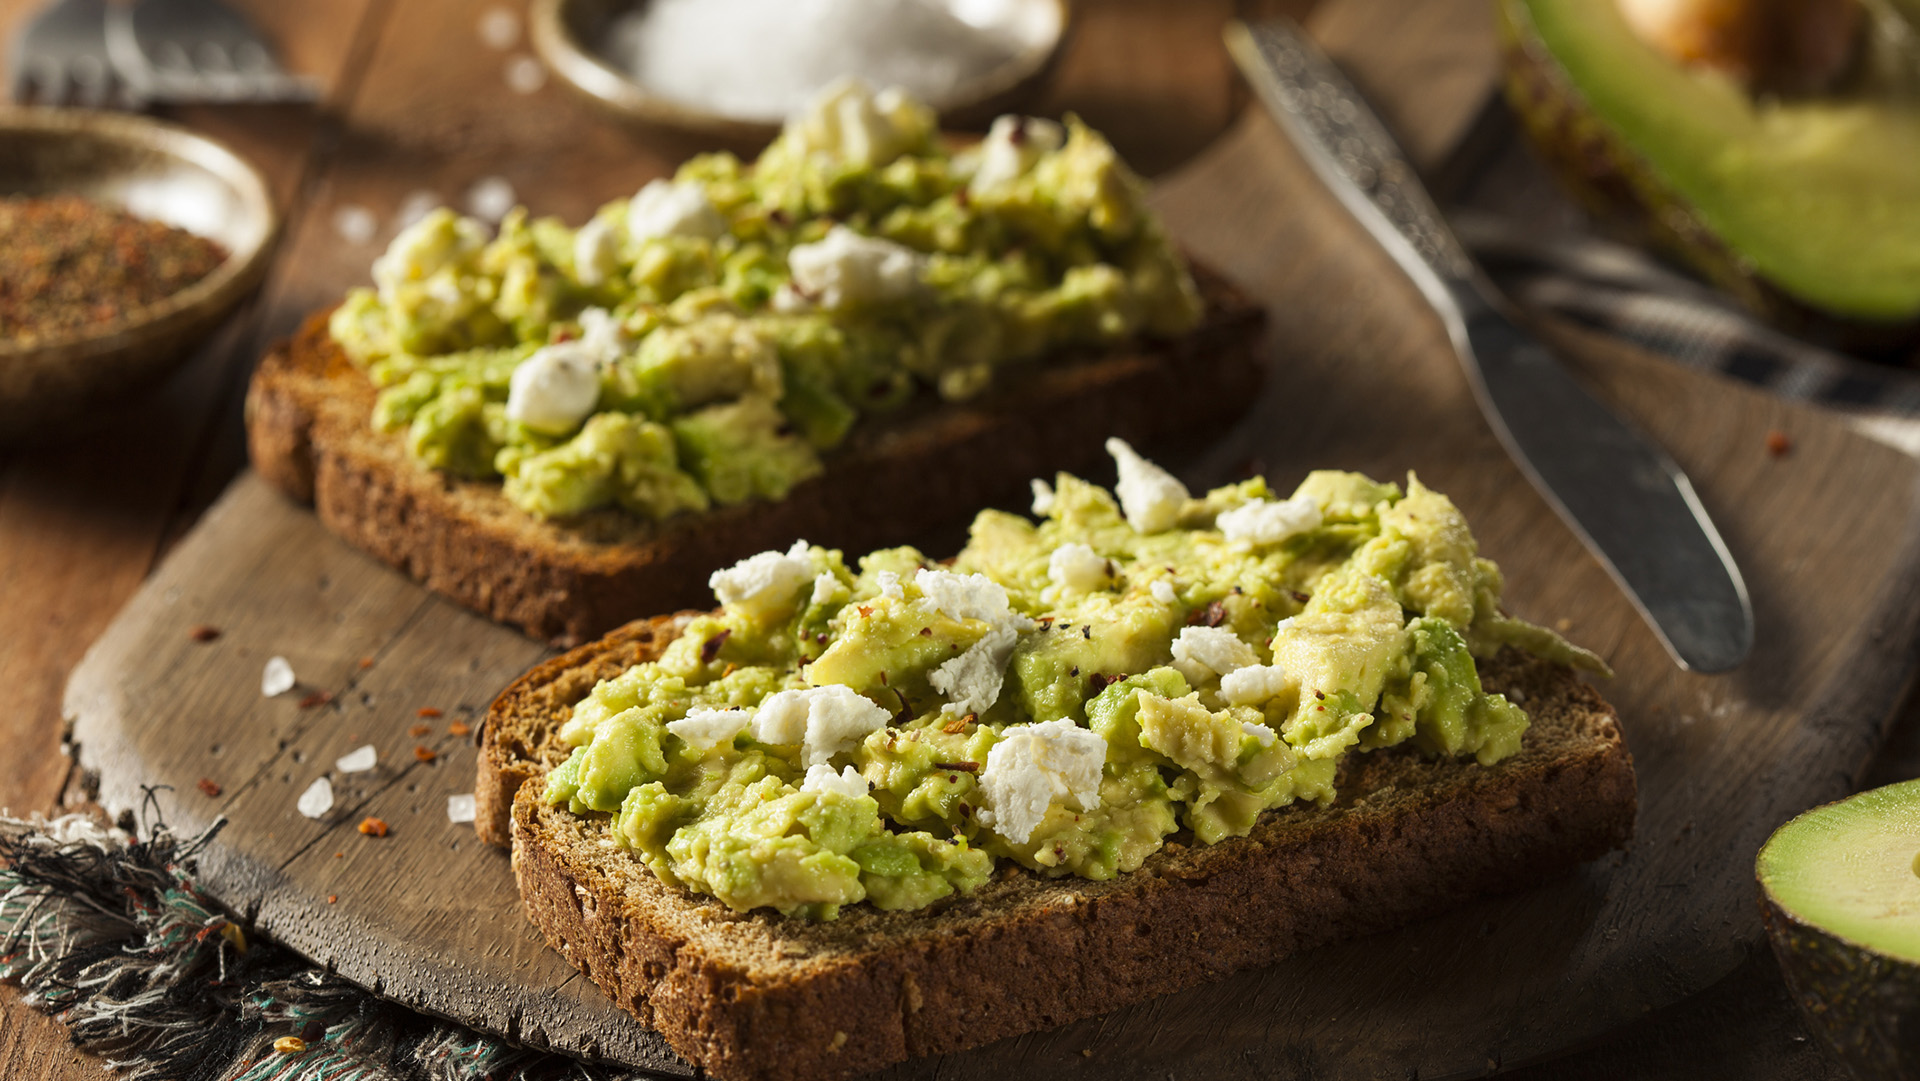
1627	501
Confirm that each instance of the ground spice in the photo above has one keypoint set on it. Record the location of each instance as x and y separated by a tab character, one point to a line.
70	265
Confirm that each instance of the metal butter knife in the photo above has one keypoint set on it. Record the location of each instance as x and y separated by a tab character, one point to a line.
1623	496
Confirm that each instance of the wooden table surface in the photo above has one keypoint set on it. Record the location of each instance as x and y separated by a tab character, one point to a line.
81	524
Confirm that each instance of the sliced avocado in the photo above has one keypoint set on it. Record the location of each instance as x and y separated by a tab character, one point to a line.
1802	208
1840	892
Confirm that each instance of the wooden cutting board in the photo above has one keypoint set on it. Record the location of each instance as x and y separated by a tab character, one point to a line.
1362	379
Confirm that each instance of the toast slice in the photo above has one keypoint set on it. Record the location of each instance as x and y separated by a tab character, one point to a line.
308	433
752	996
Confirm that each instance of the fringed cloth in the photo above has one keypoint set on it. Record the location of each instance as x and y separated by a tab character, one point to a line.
106	932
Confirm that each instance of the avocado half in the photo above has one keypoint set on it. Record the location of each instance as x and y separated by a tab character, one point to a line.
1840	894
1806	210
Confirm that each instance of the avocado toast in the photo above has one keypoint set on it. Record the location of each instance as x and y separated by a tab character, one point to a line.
849	339
1307	719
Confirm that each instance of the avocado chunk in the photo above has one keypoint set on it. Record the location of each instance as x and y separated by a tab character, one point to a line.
1800	207
1840	891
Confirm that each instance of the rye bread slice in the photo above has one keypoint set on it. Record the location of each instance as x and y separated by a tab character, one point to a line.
308	433
757	996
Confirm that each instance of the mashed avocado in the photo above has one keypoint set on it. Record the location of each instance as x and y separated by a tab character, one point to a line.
1066	693
707	340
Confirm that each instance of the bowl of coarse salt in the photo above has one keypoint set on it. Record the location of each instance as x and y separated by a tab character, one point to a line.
727	72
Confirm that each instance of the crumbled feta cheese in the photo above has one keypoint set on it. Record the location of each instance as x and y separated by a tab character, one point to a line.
603	335
1150	496
556	388
703	729
848	121
765	585
825	585
1011	147
846	269
673	208
1042	498
890	585
1203	651
317	800
1034	764
1162	591
276	678
460	808
968	596
1252	684
596	251
359	761
824	721
972	680
438	240
1265	522
1077	567
821	778
1258	731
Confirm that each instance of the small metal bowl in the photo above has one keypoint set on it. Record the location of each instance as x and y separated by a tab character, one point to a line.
155	171
572	37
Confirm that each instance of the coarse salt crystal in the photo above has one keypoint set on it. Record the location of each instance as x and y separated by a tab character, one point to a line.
317	800
460	808
359	761
277	678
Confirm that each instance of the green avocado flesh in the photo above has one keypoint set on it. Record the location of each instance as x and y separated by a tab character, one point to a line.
1065	694
707	341
1853	869
1819	197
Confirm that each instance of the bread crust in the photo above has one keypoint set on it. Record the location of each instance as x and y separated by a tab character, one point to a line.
752	996
308	433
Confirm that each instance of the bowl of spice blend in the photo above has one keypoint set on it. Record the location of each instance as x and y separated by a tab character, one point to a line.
727	72
123	243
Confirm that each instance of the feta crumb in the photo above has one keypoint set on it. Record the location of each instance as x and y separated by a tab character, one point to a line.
824	587
824	721
276	678
972	681
1150	496
317	800
595	252
1264	522
846	269
1203	651
1258	731
1012	146
1077	567
1042	498
673	208
359	761
703	729
890	585
1034	764
969	596
603	335
1162	591
765	585
556	388
1253	684
460	808
821	778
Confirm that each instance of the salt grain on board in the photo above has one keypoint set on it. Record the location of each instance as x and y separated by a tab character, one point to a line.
460	808
359	761
277	677
317	800
355	224
490	198
525	74
500	28
418	204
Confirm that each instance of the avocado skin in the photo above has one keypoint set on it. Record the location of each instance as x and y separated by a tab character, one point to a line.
1864	1006
1614	183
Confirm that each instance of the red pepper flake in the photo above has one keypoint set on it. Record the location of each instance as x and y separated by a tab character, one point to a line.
426	711
1087	632
425	754
731	669
963	767
926	632
211	789
821	637
865	611
1214	614
906	707
458	728
373	827
1778	443
1298	597
419	730
1102	682
958	724
366	662
201	632
316	699
711	647
1322	695
883	677
333	898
